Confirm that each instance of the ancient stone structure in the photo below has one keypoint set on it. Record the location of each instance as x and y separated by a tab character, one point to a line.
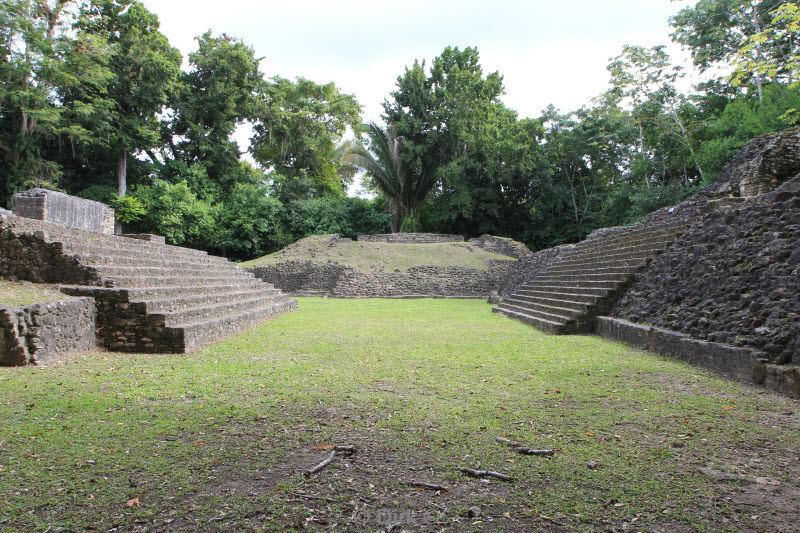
583	281
411	238
501	245
44	332
714	281
328	278
150	297
65	210
761	166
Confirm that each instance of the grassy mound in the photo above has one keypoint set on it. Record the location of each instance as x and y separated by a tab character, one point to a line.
387	257
218	440
20	293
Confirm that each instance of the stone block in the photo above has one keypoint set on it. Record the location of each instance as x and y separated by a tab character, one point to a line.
64	210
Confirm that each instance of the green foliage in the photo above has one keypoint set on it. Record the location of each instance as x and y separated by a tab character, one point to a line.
128	209
345	216
249	222
174	211
299	126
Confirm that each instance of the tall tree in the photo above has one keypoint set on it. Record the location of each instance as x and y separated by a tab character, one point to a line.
384	164
298	128
145	69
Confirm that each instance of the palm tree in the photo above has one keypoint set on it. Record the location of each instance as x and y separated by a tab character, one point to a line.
384	163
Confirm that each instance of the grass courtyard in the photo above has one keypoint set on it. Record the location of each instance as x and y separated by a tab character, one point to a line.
218	440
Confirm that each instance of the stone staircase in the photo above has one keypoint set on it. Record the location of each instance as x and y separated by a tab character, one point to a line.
585	282
153	297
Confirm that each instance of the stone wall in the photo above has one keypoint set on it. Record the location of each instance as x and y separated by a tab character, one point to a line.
529	266
42	333
762	165
734	278
25	255
331	279
411	238
501	245
65	210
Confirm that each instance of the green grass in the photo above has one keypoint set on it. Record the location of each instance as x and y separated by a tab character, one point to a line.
215	440
387	257
20	293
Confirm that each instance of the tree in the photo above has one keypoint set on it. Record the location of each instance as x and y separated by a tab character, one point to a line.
29	73
384	164
145	68
780	34
298	127
213	98
716	30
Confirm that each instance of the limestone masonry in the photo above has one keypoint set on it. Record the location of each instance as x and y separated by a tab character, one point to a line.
714	280
65	210
148	296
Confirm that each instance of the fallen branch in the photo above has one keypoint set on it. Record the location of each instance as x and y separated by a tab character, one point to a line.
312	497
485	473
524	450
426	485
337	450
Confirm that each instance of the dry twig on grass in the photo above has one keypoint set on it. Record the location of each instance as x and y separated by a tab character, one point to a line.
524	450
337	450
485	473
426	485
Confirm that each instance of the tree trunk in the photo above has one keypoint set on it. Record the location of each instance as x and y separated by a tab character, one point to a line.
680	125
759	80
122	171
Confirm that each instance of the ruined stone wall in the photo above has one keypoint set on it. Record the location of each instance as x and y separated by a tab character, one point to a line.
761	166
411	238
331	279
44	332
501	245
733	278
65	210
529	266
25	255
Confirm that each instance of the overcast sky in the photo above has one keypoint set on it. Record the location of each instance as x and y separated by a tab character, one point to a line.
548	51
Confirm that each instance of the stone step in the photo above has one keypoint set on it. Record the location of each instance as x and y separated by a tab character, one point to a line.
551	315
561	293
559	302
569	289
143	294
630	258
175	303
658	246
637	232
179	281
114	242
614	271
158	252
560	276
577	283
547	326
220	310
114	272
197	334
589	264
96	261
545	308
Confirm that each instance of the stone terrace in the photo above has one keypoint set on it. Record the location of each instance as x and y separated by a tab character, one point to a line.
150	297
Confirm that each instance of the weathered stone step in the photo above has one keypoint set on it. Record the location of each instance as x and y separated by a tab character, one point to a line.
173	281
560	276
631	257
142	294
573	305
545	308
636	231
577	283
569	289
94	260
657	246
562	293
175	303
114	272
625	270
197	334
220	310
594	264
548	326
145	253
551	315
